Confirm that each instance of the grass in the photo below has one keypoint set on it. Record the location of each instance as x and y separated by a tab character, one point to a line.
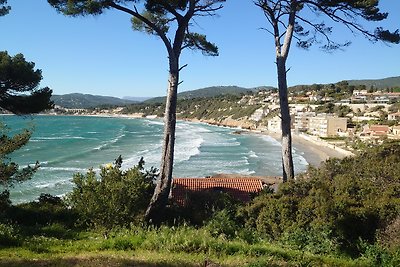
176	246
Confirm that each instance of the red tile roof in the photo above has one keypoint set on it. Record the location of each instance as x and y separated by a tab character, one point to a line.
239	188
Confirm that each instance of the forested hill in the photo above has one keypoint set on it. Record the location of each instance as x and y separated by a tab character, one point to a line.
88	101
212	92
391	82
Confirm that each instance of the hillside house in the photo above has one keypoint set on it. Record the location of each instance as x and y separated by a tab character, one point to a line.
376	131
395	132
240	188
394	116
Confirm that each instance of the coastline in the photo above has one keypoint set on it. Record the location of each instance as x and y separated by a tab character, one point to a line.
314	150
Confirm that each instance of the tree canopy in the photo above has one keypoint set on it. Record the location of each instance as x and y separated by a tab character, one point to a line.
4	8
19	81
303	20
308	31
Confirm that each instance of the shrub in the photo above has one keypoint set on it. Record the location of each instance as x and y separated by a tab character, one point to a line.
349	199
117	198
9	236
200	207
5	202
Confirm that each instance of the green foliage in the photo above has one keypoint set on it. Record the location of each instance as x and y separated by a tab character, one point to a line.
210	92
340	111
116	198
223	225
9	236
9	171
199	207
4	8
335	206
77	100
197	41
17	78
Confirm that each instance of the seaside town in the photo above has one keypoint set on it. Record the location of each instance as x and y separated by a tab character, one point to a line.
345	124
282	148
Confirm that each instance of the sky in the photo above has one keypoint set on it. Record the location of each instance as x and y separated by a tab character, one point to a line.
102	55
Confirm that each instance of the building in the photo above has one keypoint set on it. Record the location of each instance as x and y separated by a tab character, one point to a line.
394	116
240	188
327	126
395	132
302	121
274	124
376	131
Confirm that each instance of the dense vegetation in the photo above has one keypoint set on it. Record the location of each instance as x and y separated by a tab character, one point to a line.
217	108
346	213
391	82
213	91
87	101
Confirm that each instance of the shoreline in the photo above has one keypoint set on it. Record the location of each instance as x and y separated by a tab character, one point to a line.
314	150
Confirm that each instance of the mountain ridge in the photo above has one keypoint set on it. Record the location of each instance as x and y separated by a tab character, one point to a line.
77	100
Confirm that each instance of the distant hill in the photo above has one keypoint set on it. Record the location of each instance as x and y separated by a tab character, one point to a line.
136	98
77	100
378	83
212	92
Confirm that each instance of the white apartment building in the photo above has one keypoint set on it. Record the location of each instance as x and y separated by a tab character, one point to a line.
326	126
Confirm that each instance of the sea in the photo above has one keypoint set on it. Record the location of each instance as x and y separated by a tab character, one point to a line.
66	145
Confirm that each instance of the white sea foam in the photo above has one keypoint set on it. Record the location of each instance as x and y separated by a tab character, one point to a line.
66	169
153	122
110	142
252	154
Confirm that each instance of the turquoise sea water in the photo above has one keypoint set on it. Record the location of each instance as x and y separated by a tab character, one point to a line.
65	145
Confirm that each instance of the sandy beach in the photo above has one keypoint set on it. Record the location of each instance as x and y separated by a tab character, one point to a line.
315	150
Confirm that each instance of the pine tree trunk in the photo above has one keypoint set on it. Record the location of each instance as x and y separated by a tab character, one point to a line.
156	208
287	160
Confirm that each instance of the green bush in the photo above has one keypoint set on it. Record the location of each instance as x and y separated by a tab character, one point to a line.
48	210
5	203
116	198
336	206
9	236
223	225
200	207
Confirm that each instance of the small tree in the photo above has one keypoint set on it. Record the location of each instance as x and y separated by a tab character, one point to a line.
118	198
160	18
18	77
294	19
9	171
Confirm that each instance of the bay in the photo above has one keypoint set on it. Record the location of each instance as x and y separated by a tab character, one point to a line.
65	145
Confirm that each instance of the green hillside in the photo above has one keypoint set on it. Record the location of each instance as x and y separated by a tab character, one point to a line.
88	101
212	92
391	82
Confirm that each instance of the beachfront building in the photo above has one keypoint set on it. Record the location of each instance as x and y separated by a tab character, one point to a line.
274	125
327	126
302	121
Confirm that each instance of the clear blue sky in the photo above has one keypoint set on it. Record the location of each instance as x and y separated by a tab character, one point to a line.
102	55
